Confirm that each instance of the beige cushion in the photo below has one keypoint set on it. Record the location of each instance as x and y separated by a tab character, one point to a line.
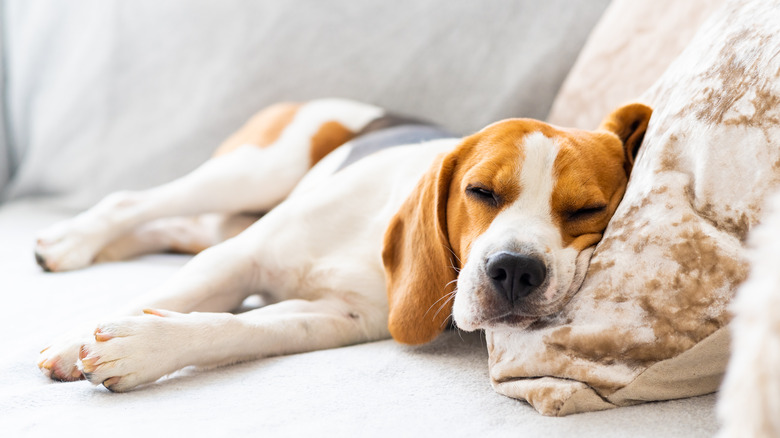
628	50
648	323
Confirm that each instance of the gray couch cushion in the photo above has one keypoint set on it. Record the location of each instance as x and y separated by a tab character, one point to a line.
111	94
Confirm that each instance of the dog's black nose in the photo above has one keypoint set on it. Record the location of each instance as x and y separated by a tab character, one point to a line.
515	275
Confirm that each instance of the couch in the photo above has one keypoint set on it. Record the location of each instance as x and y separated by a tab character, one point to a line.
102	95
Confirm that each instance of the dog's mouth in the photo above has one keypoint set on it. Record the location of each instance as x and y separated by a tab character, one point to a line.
494	312
510	321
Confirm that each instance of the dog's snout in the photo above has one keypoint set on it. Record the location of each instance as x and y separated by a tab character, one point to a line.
515	275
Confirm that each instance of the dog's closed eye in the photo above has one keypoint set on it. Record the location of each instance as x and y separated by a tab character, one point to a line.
587	212
483	194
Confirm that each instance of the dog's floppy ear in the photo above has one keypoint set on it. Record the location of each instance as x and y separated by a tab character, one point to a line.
629	123
418	259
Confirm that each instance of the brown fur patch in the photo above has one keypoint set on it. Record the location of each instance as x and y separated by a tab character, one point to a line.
489	159
597	166
262	129
418	260
330	136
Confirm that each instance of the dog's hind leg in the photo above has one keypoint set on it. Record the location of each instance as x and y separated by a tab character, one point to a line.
183	235
252	171
227	184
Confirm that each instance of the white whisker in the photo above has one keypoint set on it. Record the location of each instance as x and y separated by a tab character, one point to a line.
445	296
453	254
450	296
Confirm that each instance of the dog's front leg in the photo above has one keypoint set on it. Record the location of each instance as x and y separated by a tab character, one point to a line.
132	351
216	280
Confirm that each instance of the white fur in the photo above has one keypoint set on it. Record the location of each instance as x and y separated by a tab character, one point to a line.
256	179
749	402
527	226
321	272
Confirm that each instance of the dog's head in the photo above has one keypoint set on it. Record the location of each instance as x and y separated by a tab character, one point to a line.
500	231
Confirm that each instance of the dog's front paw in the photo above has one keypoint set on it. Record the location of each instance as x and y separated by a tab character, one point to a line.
68	245
133	351
58	361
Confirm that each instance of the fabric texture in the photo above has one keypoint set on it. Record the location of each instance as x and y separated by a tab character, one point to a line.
109	94
649	321
628	50
380	388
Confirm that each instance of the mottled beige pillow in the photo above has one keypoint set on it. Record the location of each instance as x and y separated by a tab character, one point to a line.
628	50
648	323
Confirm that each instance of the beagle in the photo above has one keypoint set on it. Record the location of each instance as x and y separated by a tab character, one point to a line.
490	231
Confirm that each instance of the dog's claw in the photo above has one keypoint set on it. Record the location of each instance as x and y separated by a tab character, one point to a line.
108	383
41	260
102	337
89	365
46	364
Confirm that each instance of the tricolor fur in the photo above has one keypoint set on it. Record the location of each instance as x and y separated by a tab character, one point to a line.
492	230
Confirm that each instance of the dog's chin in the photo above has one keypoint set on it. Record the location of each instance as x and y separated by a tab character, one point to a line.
505	320
509	321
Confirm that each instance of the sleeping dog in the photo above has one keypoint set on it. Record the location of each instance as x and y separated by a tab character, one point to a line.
492	231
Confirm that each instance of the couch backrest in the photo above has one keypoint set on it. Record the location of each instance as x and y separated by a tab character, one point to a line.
103	95
5	150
